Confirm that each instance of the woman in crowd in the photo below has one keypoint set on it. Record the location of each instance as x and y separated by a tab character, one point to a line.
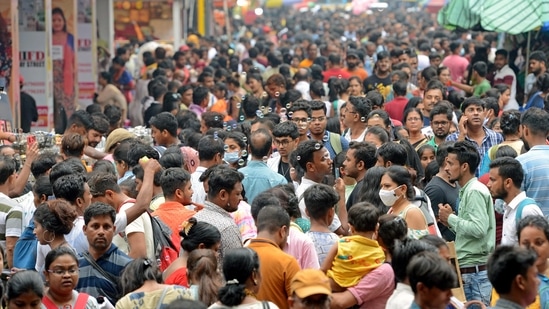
413	121
194	235
25	290
241	272
235	149
111	95
121	159
371	186
355	87
171	103
142	286
52	221
391	229
186	93
203	277
255	85
61	273
397	192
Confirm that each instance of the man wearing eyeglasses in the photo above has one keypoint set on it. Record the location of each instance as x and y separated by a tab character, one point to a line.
441	121
300	113
285	136
317	130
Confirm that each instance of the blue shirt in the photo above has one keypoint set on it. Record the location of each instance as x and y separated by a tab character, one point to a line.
491	138
258	177
535	164
535	101
24	254
92	282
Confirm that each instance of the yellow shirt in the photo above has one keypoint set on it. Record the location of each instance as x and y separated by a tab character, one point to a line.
356	257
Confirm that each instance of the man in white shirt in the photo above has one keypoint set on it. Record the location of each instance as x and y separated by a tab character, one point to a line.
210	153
302	85
506	177
505	75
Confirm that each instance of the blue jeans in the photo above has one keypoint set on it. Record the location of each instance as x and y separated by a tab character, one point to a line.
477	287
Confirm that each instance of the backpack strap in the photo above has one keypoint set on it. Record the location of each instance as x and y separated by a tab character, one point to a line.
48	303
81	301
335	142
110	277
525	202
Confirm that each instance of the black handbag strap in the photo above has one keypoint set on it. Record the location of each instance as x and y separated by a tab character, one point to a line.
94	264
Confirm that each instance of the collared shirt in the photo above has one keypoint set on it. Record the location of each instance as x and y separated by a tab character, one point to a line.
348	137
258	177
302	248
535	164
173	214
491	138
224	222
303	88
305	184
197	109
402	297
506	304
243	218
277	270
127	175
374	289
475	224
92	282
24	254
199	194
509	234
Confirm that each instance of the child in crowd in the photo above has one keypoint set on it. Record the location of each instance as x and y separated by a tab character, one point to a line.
352	257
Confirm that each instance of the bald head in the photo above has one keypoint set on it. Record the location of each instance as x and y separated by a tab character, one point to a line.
302	75
260	144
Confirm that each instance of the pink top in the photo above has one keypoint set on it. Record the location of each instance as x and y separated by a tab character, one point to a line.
457	65
375	288
302	248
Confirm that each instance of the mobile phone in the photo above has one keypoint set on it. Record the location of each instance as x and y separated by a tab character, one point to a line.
31	139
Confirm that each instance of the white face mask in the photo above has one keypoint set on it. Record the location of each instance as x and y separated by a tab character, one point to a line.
388	197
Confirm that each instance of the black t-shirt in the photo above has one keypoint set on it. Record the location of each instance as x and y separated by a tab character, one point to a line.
284	170
153	110
373	82
441	192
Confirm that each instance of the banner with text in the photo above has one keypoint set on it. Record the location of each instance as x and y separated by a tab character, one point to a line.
87	76
33	58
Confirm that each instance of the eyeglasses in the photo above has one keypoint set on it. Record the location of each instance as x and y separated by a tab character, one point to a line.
284	142
302	120
319	119
440	123
61	272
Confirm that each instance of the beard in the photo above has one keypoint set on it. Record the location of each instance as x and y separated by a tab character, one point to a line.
351	65
526	146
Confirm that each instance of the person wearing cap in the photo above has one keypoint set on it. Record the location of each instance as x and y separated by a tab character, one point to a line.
114	139
310	289
353	65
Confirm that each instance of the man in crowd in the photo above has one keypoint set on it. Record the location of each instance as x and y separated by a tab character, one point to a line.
224	195
535	129
210	153
276	267
474	223
285	136
317	130
310	288
258	177
354	118
505	75
382	74
506	177
513	273
360	157
103	262
455	62
12	214
164	130
537	66
441	120
471	128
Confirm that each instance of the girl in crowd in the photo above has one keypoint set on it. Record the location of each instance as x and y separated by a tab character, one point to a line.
392	229
235	149
25	290
194	235
61	273
355	87
142	286
241	272
426	155
203	277
52	221
254	81
397	192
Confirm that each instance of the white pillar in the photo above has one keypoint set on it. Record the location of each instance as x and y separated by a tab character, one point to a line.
177	23
105	22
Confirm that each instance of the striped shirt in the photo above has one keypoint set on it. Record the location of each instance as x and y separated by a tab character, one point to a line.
491	138
535	164
92	282
11	219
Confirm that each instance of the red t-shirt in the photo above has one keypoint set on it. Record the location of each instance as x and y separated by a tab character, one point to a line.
336	72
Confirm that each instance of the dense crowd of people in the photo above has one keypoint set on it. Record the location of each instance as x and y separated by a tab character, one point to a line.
377	162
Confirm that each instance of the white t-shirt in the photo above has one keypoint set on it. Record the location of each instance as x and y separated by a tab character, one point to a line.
139	225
